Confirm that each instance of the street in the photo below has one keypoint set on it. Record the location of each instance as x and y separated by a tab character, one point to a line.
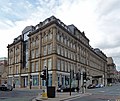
19	95
111	93
108	93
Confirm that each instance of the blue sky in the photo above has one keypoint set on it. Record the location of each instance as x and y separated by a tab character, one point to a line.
99	19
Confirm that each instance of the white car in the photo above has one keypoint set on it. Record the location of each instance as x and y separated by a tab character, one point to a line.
99	85
6	87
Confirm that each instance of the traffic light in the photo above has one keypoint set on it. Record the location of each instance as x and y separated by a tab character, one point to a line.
84	75
44	74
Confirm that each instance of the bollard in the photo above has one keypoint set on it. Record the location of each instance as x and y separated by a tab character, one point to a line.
44	94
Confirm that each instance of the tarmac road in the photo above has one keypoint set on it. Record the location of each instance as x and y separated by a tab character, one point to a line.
111	93
19	95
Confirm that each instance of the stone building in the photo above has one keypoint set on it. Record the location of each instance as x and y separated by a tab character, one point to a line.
111	71
118	76
60	48
3	70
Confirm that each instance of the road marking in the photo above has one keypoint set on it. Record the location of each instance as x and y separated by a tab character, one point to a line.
101	91
73	98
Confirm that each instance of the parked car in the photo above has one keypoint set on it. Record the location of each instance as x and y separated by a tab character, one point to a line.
6	87
91	86
67	89
99	85
109	84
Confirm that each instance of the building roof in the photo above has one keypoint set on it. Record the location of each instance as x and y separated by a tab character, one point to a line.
109	60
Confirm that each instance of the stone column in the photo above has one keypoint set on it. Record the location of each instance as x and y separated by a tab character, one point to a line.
54	74
29	81
103	79
40	61
39	80
29	64
99	80
54	31
81	78
20	81
90	79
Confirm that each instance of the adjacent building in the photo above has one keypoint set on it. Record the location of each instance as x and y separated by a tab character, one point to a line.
60	48
3	70
118	76
111	71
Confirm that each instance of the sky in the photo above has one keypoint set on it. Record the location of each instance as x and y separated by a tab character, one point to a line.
99	19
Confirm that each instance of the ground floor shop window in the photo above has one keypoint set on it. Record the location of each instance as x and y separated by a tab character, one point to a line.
50	80
43	83
63	79
25	81
16	81
66	80
10	80
59	80
35	80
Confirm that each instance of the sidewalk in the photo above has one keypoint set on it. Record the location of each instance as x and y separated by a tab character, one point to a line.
62	96
25	89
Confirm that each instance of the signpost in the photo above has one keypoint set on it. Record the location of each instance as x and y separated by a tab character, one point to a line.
44	76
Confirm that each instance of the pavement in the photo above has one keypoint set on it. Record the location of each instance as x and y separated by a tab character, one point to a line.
61	96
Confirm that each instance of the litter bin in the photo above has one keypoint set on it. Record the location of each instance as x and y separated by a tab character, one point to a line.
51	92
